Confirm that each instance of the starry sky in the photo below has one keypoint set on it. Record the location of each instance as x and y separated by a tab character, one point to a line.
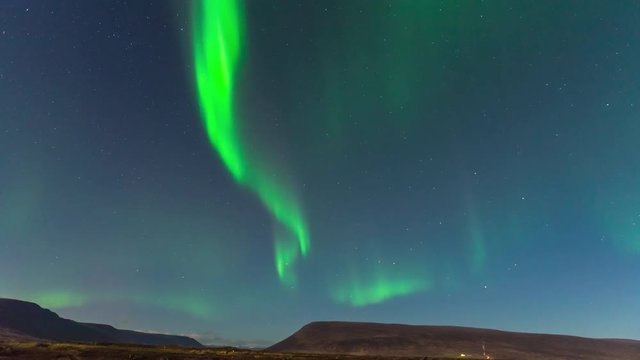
235	169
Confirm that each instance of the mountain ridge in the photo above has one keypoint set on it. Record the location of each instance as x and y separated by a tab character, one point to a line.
28	321
380	339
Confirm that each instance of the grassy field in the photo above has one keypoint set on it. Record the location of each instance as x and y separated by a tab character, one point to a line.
79	351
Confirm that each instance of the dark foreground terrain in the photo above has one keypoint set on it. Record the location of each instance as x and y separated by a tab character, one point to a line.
335	337
80	351
28	331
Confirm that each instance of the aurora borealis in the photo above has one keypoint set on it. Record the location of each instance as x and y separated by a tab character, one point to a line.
217	41
236	169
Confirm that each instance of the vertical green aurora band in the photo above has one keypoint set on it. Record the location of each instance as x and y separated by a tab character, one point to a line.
217	45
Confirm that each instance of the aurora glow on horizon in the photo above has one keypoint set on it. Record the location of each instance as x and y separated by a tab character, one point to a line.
243	167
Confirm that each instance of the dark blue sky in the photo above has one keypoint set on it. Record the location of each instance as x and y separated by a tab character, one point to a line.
462	163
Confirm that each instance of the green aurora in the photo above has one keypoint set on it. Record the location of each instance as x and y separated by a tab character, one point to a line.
194	306
378	286
58	299
218	38
217	49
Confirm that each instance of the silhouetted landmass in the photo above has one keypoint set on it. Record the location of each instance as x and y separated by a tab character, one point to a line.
28	321
11	335
450	341
28	331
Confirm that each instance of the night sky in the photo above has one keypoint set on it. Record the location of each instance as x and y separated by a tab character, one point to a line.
235	169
